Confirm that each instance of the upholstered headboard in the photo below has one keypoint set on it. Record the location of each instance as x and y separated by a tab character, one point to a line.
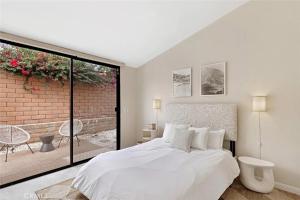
215	116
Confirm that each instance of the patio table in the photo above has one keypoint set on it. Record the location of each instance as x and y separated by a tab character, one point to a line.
47	143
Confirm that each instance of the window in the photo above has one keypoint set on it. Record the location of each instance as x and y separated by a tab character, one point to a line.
42	94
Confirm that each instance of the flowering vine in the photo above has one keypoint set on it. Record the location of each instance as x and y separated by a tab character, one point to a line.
30	63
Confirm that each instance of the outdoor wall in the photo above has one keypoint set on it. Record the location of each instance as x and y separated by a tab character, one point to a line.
44	108
47	103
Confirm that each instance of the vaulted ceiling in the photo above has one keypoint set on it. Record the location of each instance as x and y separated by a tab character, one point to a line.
132	32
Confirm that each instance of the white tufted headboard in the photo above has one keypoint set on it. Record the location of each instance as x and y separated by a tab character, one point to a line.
215	116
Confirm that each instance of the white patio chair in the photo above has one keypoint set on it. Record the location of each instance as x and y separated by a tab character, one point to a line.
12	136
64	130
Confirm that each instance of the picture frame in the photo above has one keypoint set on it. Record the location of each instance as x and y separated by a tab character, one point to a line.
182	82
213	79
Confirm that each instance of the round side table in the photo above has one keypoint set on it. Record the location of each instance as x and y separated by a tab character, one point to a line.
248	165
47	143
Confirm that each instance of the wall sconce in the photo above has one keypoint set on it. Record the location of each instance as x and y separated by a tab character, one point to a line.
259	104
156	104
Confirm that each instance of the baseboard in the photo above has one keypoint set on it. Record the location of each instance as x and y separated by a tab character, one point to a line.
288	188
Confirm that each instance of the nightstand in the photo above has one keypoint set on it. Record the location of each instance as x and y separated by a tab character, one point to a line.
148	134
248	166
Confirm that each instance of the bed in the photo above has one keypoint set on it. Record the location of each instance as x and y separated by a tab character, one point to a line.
156	171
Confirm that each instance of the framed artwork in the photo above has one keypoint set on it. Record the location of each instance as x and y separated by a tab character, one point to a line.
213	79
182	82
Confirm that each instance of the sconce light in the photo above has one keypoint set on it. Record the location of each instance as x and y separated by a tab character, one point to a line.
259	104
156	104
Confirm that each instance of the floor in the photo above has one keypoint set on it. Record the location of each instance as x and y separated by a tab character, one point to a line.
26	190
236	191
23	163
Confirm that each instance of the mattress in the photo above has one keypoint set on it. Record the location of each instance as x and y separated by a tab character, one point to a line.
156	171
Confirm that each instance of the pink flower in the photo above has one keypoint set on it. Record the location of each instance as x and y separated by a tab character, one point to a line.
24	72
14	63
7	54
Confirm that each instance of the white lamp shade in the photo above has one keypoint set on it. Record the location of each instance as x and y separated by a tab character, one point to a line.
259	104
156	104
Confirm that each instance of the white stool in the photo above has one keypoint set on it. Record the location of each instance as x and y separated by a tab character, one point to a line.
248	178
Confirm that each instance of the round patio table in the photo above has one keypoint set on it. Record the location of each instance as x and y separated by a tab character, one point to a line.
47	143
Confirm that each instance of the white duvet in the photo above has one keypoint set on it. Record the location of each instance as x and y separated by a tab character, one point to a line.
155	171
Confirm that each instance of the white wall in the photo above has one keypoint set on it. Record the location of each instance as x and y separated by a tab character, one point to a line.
128	107
261	43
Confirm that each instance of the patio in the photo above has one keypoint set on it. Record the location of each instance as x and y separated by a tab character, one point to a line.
22	163
35	106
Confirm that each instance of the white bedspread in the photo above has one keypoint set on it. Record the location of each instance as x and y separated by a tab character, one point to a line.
155	171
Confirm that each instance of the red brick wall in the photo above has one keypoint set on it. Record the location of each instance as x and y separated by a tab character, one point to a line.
94	102
49	102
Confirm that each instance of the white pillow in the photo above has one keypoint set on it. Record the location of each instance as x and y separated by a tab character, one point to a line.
200	138
170	129
182	139
215	139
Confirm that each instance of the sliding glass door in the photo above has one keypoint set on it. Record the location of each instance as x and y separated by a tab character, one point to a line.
55	110
94	103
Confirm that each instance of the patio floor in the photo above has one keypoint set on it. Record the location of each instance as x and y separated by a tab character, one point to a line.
23	163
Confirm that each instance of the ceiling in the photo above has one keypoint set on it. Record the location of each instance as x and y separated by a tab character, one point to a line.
132	32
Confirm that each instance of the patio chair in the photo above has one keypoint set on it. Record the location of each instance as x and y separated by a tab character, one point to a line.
12	136
64	130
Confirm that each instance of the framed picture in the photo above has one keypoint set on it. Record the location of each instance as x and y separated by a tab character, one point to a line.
213	79
182	82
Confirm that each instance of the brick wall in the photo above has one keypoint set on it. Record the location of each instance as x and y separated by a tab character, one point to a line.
49	102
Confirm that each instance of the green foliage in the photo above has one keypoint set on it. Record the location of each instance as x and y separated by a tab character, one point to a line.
30	63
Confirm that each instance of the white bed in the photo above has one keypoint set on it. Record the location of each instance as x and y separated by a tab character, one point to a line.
156	171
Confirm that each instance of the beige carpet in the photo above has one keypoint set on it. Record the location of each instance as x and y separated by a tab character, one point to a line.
235	192
60	191
24	164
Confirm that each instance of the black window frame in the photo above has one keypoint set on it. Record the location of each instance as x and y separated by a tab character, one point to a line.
71	83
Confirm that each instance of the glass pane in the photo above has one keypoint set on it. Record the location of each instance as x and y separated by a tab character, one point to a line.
34	104
94	110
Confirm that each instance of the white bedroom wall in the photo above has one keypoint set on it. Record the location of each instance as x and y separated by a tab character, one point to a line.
260	42
128	107
128	77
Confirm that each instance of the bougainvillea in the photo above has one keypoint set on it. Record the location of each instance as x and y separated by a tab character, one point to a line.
30	63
